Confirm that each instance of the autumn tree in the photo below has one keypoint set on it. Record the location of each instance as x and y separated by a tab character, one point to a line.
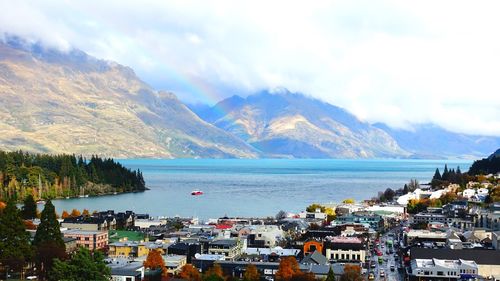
352	272
251	273
154	261
75	213
190	273
65	214
288	268
85	212
348	201
313	207
214	273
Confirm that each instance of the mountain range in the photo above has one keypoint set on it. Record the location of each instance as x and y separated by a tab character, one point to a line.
70	102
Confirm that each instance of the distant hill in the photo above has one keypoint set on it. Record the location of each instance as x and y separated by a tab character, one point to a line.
429	141
284	124
489	165
57	102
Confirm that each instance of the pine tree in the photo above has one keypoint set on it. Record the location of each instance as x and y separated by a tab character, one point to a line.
331	275
15	249
29	210
48	240
437	175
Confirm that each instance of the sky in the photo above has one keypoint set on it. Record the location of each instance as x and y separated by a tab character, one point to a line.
398	62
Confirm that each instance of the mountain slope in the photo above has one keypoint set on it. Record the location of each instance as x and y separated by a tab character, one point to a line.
427	141
287	124
73	103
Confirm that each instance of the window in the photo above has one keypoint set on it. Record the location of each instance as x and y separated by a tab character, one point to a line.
440	273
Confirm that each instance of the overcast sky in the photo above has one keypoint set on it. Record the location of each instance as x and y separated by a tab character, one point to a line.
398	62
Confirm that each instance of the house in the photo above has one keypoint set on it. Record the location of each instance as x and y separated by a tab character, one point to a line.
432	269
262	235
315	258
127	271
87	223
488	261
345	249
128	249
230	248
174	263
92	240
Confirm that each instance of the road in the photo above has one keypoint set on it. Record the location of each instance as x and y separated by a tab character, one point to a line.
385	266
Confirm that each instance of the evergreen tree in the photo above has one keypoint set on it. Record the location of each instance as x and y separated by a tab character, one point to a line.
29	210
331	275
15	249
48	240
437	175
83	266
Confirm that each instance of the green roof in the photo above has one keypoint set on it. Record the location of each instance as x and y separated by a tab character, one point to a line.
115	235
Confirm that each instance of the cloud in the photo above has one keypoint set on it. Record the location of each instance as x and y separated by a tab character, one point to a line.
390	61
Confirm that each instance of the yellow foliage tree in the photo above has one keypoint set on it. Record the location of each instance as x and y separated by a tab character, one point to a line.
348	201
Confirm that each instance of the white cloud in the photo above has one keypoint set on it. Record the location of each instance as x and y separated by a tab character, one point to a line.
390	61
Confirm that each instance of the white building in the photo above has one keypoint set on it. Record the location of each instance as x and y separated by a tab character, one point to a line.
126	271
449	269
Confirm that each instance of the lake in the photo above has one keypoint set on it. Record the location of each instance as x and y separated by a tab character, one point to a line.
256	187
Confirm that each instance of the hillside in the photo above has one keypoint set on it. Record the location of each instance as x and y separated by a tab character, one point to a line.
288	124
489	165
55	102
430	141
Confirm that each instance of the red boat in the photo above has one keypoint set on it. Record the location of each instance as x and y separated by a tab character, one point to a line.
196	192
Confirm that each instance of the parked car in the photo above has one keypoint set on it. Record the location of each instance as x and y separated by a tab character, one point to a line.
392	267
371	276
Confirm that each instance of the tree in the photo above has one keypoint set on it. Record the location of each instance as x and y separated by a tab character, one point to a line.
348	201
280	215
75	213
214	273
313	207
65	214
15	249
85	212
413	185
251	273
389	194
154	261
29	210
331	275
190	273
83	266
351	273
288	268
48	240
437	175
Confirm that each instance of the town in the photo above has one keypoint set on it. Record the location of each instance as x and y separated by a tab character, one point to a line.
401	235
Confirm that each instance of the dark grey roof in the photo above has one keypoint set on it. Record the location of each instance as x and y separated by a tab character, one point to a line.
224	242
315	258
480	256
127	269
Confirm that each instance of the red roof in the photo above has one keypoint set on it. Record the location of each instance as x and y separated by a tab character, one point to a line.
223	226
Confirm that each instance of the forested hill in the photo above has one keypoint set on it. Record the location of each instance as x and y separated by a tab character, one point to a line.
53	176
490	165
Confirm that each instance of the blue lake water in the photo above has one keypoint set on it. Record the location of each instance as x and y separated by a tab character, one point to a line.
262	187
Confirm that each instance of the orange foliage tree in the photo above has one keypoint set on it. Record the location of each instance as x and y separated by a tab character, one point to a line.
287	269
75	213
190	273
154	261
65	214
214	273
251	273
352	272
86	212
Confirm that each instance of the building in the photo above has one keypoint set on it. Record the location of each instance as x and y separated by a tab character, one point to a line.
230	248
432	269
185	248
87	223
488	261
128	249
126	271
174	263
345	249
70	244
262	235
418	235
92	240
369	219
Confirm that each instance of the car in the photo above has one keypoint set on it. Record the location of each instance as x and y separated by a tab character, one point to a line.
392	267
382	273
373	264
371	276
